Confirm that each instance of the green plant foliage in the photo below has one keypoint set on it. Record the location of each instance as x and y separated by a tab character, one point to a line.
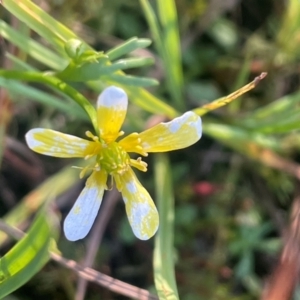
30	254
163	260
223	203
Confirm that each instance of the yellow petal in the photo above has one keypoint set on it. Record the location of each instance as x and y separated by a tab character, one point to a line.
111	111
176	134
140	208
55	143
132	143
83	213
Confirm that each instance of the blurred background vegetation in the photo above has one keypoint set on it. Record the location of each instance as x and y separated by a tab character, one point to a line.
236	191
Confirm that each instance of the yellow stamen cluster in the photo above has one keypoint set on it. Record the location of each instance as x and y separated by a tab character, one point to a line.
112	157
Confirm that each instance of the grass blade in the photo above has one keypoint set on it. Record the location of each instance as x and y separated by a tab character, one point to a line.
57	84
21	90
41	22
31	47
163	261
226	100
129	80
127	47
29	255
171	41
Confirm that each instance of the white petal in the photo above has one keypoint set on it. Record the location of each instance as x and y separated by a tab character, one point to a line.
140	208
54	143
114	98
83	213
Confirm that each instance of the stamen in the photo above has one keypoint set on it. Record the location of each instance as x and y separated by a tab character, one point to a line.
139	164
85	169
121	133
82	173
91	136
97	168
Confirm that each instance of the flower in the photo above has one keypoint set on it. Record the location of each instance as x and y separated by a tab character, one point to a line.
111	158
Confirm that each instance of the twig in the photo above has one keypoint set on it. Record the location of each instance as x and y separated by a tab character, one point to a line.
106	281
89	274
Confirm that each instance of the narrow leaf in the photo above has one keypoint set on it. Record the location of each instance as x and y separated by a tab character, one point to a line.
127	47
129	80
163	260
29	255
32	48
21	90
41	22
226	100
58	85
172	53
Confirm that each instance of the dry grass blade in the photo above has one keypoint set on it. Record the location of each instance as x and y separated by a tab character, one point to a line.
285	277
227	99
272	159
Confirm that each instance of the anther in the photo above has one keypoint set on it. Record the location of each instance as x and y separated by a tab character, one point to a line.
121	133
91	136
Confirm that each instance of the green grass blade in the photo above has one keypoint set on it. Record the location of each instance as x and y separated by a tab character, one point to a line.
163	261
149	102
168	45
19	64
32	48
238	138
281	125
41	22
170	38
153	25
289	31
241	80
129	80
127	47
29	255
279	108
20	90
279	116
58	85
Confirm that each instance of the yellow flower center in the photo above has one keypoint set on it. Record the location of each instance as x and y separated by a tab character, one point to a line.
113	158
